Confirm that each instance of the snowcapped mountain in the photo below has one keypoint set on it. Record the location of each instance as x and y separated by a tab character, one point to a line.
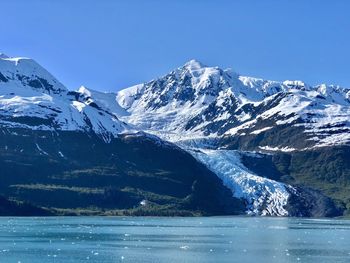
20	72
196	101
207	109
193	101
217	118
32	98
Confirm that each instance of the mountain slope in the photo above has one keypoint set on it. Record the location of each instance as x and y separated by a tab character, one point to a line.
82	151
63	152
196	100
205	109
70	173
32	98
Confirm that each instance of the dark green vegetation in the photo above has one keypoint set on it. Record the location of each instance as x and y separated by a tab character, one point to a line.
322	175
71	173
16	208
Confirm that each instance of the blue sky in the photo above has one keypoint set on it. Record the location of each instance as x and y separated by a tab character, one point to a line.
109	45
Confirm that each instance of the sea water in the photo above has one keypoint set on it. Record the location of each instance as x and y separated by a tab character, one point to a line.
161	239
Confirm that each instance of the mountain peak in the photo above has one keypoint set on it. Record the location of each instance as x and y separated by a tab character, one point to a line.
27	72
194	64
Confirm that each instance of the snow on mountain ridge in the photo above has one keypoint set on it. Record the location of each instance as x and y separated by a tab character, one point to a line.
106	100
199	100
25	72
194	64
32	98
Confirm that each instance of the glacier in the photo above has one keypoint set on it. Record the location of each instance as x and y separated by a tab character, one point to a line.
263	196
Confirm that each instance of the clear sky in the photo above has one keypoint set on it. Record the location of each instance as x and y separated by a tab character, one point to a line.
109	45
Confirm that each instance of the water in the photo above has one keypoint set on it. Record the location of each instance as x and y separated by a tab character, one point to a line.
215	239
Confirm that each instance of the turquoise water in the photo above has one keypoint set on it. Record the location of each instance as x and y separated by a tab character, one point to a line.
215	239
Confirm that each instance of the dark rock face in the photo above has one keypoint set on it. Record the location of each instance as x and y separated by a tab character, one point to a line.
3	78
312	203
212	112
40	83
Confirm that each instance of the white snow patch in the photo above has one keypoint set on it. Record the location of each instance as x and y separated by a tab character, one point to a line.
261	130
277	149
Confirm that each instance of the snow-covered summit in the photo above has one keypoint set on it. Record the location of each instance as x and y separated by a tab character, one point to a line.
31	98
193	100
194	64
24	72
197	100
